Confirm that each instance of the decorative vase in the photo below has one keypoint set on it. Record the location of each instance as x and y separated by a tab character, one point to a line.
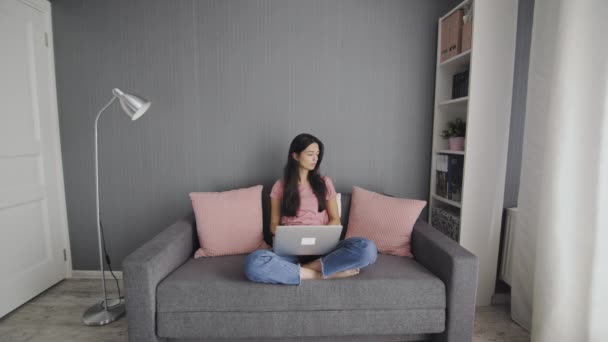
456	143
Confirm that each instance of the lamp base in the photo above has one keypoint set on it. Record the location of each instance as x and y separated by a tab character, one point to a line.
98	315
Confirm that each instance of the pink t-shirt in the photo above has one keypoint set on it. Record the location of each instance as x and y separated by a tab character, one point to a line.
308	213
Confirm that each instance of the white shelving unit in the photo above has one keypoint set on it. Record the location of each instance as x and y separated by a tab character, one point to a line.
450	152
460	102
448	201
487	111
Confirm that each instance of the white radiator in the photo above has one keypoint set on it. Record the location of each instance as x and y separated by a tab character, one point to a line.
507	251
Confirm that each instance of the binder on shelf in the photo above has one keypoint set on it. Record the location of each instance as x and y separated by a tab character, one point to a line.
441	166
460	84
454	177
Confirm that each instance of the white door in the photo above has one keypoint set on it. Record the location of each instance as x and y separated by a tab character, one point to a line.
33	224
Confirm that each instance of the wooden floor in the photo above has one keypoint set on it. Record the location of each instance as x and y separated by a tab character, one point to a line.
54	316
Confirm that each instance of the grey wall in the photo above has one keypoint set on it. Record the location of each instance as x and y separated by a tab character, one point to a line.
518	107
232	82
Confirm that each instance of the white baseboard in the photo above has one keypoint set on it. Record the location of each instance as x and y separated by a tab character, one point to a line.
94	274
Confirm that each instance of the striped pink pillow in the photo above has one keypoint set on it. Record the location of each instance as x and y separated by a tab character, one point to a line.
388	221
228	222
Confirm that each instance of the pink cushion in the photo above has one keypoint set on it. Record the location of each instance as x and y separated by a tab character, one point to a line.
228	222
388	221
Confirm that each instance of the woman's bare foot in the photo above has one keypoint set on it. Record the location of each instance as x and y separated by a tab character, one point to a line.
314	265
344	274
313	270
307	273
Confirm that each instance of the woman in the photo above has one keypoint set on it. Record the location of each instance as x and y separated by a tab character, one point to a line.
304	197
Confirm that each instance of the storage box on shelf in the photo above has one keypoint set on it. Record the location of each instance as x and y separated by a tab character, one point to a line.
449	176
451	35
446	219
467	32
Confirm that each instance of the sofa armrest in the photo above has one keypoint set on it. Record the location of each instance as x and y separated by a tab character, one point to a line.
457	268
146	267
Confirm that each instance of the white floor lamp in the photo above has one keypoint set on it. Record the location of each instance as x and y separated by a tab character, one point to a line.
109	310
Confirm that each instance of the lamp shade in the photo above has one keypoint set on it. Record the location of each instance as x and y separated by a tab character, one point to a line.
134	106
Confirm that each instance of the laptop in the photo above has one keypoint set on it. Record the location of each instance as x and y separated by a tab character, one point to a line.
306	240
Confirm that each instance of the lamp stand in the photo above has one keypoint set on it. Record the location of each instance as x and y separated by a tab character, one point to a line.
108	310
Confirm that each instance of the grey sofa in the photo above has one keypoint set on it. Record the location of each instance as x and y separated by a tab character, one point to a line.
173	297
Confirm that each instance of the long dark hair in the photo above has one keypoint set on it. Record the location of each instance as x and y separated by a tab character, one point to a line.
291	174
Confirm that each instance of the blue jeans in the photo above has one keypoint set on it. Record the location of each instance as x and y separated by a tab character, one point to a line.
265	266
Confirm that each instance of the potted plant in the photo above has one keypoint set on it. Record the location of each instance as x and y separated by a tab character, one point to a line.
455	133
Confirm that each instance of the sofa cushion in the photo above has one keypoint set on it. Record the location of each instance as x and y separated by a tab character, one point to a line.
347	338
386	220
228	222
305	325
219	284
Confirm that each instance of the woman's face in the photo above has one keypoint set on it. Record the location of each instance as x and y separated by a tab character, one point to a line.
309	157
